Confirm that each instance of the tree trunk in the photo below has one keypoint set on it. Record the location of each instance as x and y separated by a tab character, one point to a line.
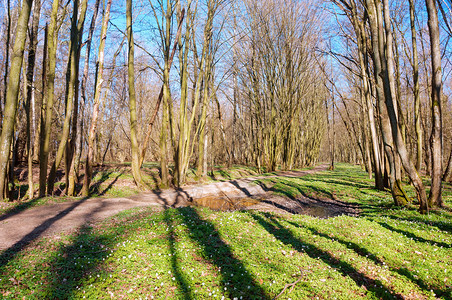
201	170
436	136
37	141
383	88
7	46
78	134
448	173
377	160
13	91
396	132
76	30
417	99
97	100
160	96
29	90
132	101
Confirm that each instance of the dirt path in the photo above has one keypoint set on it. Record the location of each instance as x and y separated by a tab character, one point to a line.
20	228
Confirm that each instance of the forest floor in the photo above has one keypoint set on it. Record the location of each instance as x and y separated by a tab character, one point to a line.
52	218
302	234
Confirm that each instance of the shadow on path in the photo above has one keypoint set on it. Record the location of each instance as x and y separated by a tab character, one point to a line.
12	251
18	209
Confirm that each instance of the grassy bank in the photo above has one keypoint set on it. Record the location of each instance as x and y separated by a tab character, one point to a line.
191	253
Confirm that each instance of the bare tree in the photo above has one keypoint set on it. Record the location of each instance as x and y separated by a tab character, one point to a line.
13	92
72	80
29	87
132	101
436	136
97	100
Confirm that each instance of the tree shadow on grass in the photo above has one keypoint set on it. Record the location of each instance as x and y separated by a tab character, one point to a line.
293	191
414	237
234	275
95	188
366	253
440	225
290	188
175	266
339	181
274	227
353	246
73	262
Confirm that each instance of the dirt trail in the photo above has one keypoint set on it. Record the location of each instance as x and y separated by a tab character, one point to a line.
20	228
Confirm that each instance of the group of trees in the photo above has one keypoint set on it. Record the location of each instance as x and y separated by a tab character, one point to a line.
281	95
393	63
197	82
186	83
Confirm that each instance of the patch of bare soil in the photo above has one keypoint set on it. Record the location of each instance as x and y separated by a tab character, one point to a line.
18	228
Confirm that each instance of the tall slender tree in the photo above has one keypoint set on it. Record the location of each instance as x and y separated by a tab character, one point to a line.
33	41
97	100
48	100
132	100
436	136
416	88
12	94
72	80
77	126
7	47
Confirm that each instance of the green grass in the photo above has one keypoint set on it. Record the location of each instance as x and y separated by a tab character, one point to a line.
190	253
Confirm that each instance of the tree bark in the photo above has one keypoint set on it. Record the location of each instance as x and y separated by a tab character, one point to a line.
362	52
132	101
33	41
97	100
7	46
448	173
417	98
436	136
12	95
76	30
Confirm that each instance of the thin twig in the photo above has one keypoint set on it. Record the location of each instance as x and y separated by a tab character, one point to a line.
291	285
